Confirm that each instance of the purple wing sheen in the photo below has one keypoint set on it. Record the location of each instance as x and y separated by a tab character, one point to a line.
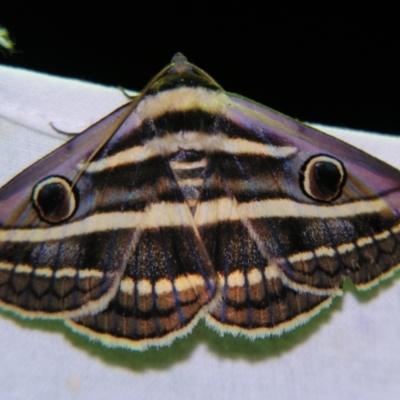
314	241
299	236
64	161
374	174
57	269
305	210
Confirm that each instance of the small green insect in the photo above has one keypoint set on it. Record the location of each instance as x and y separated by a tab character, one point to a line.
5	40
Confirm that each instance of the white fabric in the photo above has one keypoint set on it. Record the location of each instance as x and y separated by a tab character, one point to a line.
350	351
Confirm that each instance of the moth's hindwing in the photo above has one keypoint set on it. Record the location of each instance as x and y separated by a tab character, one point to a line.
190	201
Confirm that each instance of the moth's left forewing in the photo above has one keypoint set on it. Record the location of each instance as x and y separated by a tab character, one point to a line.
100	232
347	226
59	254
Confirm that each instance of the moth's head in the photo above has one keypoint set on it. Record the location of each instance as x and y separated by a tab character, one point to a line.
180	73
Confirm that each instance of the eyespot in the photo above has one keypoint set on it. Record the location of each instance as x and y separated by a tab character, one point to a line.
54	199
322	177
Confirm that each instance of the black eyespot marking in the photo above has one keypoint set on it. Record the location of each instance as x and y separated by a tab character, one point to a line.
322	177
54	199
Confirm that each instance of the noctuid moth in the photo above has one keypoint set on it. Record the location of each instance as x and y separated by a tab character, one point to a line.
190	202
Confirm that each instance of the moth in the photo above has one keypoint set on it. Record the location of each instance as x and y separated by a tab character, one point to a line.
189	202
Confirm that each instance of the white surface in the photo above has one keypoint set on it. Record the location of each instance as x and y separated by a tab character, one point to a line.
350	351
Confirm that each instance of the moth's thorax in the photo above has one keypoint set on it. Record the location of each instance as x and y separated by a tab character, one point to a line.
186	150
185	90
181	73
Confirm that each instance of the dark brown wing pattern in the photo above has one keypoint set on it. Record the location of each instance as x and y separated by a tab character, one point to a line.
191	202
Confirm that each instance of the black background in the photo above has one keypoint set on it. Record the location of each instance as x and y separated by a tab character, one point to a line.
328	63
